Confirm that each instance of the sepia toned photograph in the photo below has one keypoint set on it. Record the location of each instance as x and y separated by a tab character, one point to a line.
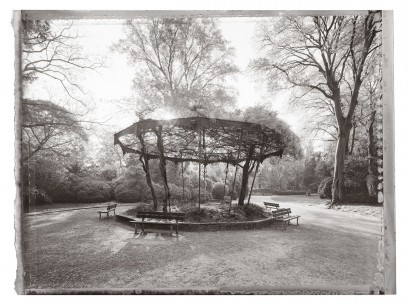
204	152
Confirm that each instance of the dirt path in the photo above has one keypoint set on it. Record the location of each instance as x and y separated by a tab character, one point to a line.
75	249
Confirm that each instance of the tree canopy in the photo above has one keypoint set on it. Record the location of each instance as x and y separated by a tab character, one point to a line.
180	65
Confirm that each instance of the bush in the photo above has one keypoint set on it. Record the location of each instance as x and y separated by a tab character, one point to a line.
325	188
39	196
205	196
109	174
351	187
131	190
218	191
62	192
289	192
92	191
262	191
251	211
313	187
362	198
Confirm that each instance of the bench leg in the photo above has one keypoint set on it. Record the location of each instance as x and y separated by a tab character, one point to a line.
177	230
99	215
171	230
142	228
135	229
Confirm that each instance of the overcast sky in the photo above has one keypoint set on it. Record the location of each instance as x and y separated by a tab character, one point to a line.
113	83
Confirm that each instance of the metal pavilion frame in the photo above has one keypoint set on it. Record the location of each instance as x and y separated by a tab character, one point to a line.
202	140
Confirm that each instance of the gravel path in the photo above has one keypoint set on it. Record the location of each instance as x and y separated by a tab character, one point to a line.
74	249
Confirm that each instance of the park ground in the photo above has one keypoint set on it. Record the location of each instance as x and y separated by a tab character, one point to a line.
76	249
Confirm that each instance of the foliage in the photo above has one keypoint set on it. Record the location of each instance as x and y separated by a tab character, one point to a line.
352	188
205	196
289	192
38	196
218	191
90	191
139	207
49	127
109	174
325	188
182	65
361	198
325	60
265	116
251	211
130	190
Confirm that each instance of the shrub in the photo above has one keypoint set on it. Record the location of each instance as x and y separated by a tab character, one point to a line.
289	192
251	211
362	198
62	192
313	187
205	196
92	191
109	174
262	191
218	191
325	188
132	190
234	194
351	187
176	192
39	196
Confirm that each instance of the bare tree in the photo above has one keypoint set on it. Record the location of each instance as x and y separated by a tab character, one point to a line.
50	53
181	64
328	56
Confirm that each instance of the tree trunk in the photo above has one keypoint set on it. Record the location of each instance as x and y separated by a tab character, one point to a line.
245	177
353	136
338	192
162	166
146	169
145	164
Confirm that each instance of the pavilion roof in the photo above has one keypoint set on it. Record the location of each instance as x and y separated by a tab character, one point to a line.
220	140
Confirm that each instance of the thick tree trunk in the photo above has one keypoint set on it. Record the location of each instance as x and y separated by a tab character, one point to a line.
353	136
146	169
245	177
162	166
145	164
338	192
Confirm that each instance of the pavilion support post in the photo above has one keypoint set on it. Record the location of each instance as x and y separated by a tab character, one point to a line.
146	168
182	177
245	175
225	182
199	170
253	181
236	170
162	166
205	169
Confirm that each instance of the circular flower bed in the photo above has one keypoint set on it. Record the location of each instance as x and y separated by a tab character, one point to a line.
210	212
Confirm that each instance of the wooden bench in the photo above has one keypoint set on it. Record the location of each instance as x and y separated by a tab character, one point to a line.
270	206
108	210
156	216
284	216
